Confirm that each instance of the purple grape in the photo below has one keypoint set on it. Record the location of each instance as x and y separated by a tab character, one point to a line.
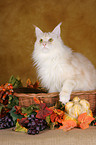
29	131
1	126
39	124
38	128
6	118
4	125
29	125
41	120
33	132
12	123
32	116
33	123
33	127
9	119
3	119
29	118
42	128
6	122
36	120
37	131
0	120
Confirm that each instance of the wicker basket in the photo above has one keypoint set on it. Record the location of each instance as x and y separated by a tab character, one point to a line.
50	99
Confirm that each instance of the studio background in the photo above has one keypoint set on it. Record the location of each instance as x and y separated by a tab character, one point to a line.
17	34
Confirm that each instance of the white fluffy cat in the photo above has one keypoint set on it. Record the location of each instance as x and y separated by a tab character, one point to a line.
60	69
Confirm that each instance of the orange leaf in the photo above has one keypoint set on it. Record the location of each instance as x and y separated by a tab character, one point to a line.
68	125
28	82
59	112
36	100
84	125
57	115
84	120
82	117
53	117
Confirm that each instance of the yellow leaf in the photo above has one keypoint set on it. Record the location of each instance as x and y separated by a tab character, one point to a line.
20	128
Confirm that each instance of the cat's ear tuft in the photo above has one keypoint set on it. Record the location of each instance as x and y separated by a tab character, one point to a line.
38	32
57	29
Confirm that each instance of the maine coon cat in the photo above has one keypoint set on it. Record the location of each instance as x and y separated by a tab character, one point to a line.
60	69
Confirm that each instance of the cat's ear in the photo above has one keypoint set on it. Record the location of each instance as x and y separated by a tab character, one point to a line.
38	32
57	29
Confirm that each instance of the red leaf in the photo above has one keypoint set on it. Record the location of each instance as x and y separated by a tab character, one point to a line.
23	121
18	110
36	85
31	85
44	111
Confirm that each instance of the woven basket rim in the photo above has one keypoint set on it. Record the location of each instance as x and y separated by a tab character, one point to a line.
31	95
54	94
84	92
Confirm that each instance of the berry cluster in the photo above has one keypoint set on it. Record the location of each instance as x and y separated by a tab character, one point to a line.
5	91
6	122
36	125
33	124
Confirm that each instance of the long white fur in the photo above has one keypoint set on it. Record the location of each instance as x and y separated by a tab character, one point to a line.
60	69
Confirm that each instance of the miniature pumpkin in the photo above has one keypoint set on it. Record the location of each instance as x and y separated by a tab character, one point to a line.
76	107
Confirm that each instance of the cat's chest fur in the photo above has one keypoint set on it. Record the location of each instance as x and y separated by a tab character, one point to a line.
53	72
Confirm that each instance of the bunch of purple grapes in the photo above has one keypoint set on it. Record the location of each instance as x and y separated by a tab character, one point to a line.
36	125
6	122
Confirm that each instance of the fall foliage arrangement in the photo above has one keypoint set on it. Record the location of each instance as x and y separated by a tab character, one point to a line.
37	117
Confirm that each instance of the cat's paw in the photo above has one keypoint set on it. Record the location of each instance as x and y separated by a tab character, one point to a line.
64	97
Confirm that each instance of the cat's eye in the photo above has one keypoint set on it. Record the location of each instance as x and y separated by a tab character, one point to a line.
50	40
41	40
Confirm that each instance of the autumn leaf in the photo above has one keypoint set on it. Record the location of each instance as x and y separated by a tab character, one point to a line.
57	115
24	121
31	85
20	128
30	109
28	82
19	111
84	120
53	117
68	125
59	112
44	111
36	100
36	85
14	115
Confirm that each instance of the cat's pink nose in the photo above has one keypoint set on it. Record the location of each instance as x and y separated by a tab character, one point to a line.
44	44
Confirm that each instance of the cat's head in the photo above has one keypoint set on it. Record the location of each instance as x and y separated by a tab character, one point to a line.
47	42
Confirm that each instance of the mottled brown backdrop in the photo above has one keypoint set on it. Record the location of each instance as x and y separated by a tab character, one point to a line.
17	35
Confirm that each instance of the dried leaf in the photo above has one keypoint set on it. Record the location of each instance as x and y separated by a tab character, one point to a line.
28	82
14	115
44	111
36	100
57	115
36	85
84	120
53	117
68	125
20	128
